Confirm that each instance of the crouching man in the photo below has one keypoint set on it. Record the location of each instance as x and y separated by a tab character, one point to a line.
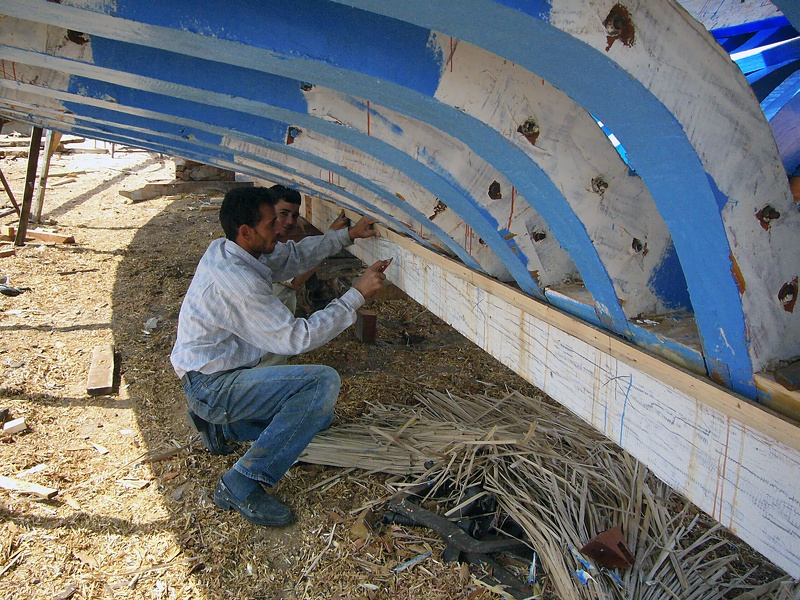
230	319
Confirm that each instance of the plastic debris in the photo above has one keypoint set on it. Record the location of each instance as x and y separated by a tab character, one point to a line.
410	563
583	576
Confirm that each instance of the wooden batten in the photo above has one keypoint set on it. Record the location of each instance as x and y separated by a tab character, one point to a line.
726	454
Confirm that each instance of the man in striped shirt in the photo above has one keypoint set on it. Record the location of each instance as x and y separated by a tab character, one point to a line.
230	318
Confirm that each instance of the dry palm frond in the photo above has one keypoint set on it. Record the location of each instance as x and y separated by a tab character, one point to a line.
556	478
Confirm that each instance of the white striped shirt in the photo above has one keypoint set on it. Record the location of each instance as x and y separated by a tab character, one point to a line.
230	318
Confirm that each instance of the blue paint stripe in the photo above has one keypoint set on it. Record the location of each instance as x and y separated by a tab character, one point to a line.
349	38
198	73
775	56
749	27
263	127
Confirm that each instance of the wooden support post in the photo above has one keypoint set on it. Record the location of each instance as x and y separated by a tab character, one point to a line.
52	140
9	192
30	179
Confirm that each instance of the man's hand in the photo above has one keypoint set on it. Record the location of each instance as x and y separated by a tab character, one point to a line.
371	282
341	222
363	229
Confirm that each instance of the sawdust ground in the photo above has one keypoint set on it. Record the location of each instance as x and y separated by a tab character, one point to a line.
134	516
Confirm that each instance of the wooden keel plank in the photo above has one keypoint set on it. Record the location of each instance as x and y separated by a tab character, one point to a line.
726	454
100	379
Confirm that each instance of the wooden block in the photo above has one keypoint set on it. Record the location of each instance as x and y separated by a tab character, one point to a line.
14	426
8	483
101	372
366	326
7	252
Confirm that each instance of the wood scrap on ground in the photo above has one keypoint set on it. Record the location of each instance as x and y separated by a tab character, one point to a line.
173	188
27	487
40	235
100	379
558	480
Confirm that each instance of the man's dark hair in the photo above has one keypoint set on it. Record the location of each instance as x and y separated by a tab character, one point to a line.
281	192
242	206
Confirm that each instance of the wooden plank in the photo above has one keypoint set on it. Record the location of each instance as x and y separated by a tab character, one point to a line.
726	454
8	252
100	379
7	232
681	380
15	485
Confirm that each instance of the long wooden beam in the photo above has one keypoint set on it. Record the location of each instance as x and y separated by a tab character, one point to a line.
731	457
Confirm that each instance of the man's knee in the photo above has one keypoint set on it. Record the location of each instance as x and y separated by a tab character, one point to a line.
329	381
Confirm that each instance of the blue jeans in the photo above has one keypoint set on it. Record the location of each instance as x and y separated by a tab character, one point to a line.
279	408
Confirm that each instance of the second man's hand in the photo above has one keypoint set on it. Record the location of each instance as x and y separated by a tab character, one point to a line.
363	229
340	222
371	281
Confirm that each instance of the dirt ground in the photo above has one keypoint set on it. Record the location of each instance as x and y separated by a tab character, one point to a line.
134	516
